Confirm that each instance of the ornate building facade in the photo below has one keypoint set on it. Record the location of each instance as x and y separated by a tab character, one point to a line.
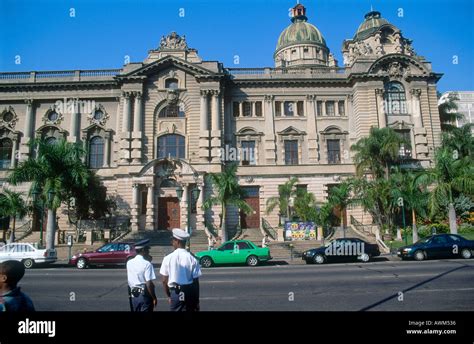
157	126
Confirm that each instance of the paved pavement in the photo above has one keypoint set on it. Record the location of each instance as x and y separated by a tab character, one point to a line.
426	286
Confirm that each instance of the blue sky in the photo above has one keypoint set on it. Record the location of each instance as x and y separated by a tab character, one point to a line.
103	32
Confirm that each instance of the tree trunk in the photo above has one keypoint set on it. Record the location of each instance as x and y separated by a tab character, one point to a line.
12	237
399	234
223	226
51	229
453	228
343	230
415	229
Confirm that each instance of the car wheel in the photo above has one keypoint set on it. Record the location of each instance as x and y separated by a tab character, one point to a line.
364	257
466	253
252	261
28	263
81	263
318	259
206	262
419	255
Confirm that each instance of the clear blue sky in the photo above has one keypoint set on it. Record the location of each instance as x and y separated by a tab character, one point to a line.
43	34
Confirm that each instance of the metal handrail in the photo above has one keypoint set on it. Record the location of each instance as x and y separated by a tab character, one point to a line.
268	229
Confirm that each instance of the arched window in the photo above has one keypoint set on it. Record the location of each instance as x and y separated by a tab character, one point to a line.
5	153
96	152
171	146
171	84
51	140
395	99
172	110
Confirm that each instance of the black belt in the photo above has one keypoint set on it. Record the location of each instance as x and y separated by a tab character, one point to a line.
179	287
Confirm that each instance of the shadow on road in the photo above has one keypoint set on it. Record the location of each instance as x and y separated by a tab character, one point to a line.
414	287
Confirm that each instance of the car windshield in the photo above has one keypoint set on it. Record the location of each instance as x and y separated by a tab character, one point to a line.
424	240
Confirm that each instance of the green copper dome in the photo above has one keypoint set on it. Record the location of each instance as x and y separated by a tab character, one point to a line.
373	21
300	32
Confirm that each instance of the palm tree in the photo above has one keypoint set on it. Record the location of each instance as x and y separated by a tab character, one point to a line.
460	141
340	196
12	205
448	114
227	191
306	206
415	198
56	170
377	152
448	177
285	192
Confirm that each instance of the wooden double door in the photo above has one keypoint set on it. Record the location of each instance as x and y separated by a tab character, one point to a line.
252	198
169	214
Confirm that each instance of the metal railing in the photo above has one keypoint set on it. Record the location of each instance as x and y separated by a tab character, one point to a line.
360	226
26	229
283	71
66	75
268	229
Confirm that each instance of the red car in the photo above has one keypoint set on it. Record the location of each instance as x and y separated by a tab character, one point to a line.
109	254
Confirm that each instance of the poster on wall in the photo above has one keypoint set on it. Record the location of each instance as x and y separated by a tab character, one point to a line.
299	230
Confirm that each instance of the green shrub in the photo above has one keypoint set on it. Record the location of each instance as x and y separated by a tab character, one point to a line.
466	228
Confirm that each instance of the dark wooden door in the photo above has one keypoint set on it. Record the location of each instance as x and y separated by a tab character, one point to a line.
168	213
253	200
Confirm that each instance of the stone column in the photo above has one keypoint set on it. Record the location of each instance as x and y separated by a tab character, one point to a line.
13	160
150	208
216	127
203	128
420	151
269	138
106	150
199	210
323	108
134	212
75	122
253	109
185	208
125	133
137	129
311	128
415	102
28	131
380	107
241	109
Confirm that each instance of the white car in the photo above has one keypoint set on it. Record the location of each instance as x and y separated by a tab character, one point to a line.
28	254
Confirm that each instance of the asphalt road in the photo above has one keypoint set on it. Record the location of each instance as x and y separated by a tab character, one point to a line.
446	285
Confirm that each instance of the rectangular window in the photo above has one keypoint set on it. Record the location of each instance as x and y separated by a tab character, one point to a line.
247	109
319	106
235	109
300	108
248	153
277	109
144	202
341	108
334	152
330	108
289	109
258	109
405	148
291	152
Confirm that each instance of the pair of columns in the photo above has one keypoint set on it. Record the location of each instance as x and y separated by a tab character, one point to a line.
27	132
131	138
214	135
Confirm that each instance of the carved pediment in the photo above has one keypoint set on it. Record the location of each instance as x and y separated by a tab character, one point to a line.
398	66
291	131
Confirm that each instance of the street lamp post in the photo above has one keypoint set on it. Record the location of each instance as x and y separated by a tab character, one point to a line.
401	204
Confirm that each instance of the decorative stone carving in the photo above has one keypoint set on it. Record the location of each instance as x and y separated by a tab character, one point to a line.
53	116
173	41
98	115
8	118
395	69
269	98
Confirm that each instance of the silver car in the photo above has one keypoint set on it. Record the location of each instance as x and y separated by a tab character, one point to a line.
28	254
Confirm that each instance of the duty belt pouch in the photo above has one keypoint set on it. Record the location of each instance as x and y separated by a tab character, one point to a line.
136	292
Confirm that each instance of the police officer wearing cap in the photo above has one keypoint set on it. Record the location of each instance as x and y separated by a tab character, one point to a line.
140	274
180	272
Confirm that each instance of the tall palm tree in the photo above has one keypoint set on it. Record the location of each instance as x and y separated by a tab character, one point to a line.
448	177
55	170
12	205
415	197
448	113
340	196
460	141
227	191
377	152
306	206
282	201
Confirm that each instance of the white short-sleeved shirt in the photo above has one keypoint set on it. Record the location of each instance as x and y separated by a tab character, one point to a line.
181	267
139	271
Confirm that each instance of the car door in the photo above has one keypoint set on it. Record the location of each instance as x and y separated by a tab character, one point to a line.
457	244
244	250
5	252
224	254
439	247
119	255
103	255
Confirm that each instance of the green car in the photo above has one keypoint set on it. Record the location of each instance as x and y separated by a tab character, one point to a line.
234	252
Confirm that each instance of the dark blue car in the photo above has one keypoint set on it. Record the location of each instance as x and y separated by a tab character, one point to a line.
438	246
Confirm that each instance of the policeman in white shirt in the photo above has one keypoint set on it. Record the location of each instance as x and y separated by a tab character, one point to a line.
140	274
181	272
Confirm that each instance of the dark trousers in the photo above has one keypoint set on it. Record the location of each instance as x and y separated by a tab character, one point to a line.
184	299
142	303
